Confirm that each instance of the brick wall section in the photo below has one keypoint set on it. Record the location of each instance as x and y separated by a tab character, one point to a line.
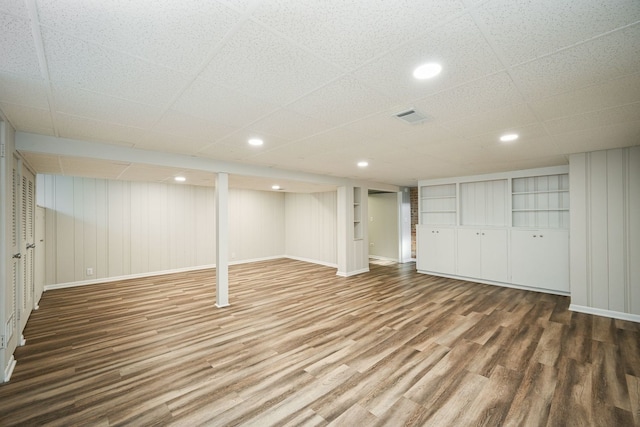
413	197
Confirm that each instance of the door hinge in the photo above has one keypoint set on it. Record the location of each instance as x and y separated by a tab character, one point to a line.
2	148
2	343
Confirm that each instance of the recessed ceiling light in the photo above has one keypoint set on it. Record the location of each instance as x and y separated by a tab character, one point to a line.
180	178
275	187
363	164
427	71
509	137
256	142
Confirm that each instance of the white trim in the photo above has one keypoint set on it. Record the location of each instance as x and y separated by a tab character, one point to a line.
9	369
153	273
384	258
126	277
312	261
606	313
352	273
22	342
247	261
501	284
550	170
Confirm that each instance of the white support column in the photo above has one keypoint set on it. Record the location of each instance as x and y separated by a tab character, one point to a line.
222	239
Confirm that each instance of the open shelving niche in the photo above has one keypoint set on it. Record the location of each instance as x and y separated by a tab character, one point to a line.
438	204
541	201
357	214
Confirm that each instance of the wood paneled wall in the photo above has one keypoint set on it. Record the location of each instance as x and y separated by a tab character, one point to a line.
311	226
121	228
605	231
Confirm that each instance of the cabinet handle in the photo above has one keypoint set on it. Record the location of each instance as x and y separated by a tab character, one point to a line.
541	236
483	234
477	234
17	256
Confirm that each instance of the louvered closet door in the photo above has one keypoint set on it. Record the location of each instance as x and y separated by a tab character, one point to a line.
15	263
27	190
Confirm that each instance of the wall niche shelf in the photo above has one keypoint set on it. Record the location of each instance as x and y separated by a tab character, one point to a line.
357	214
541	201
438	204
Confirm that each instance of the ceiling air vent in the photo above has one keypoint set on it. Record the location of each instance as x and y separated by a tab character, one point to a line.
411	116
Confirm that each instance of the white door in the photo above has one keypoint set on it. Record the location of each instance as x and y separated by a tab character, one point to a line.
495	255
469	248
27	288
15	263
39	269
540	258
436	249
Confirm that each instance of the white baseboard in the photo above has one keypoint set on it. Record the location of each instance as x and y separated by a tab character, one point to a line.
172	271
312	261
352	273
606	313
8	370
383	258
22	342
501	284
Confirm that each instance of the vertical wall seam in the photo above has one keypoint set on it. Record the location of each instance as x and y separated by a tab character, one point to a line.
626	228
606	218
587	210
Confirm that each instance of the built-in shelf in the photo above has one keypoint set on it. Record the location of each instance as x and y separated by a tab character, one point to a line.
438	204
540	201
357	214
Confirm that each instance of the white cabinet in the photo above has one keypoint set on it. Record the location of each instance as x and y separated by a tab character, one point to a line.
483	253
435	249
540	259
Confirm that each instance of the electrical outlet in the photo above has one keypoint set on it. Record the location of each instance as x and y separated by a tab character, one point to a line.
89	271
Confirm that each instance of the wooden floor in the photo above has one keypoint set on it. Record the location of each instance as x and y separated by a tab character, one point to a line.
301	346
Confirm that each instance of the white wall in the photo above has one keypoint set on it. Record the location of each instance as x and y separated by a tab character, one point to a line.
310	231
605	232
120	228
383	226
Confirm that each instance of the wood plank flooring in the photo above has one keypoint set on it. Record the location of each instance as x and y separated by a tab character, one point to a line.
302	346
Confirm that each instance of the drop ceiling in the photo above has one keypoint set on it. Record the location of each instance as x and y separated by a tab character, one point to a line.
320	82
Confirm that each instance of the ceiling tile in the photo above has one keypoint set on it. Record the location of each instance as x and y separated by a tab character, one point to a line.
79	102
17	51
602	138
95	130
150	173
382	125
527	133
258	63
76	63
495	91
28	119
505	119
287	124
606	58
43	163
366	29
524	29
191	127
342	101
165	142
21	90
595	119
459	47
621	91
176	34
221	105
14	7
92	168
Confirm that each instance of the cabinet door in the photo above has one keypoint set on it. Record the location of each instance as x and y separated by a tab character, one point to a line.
469	252
436	249
495	255
540	259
